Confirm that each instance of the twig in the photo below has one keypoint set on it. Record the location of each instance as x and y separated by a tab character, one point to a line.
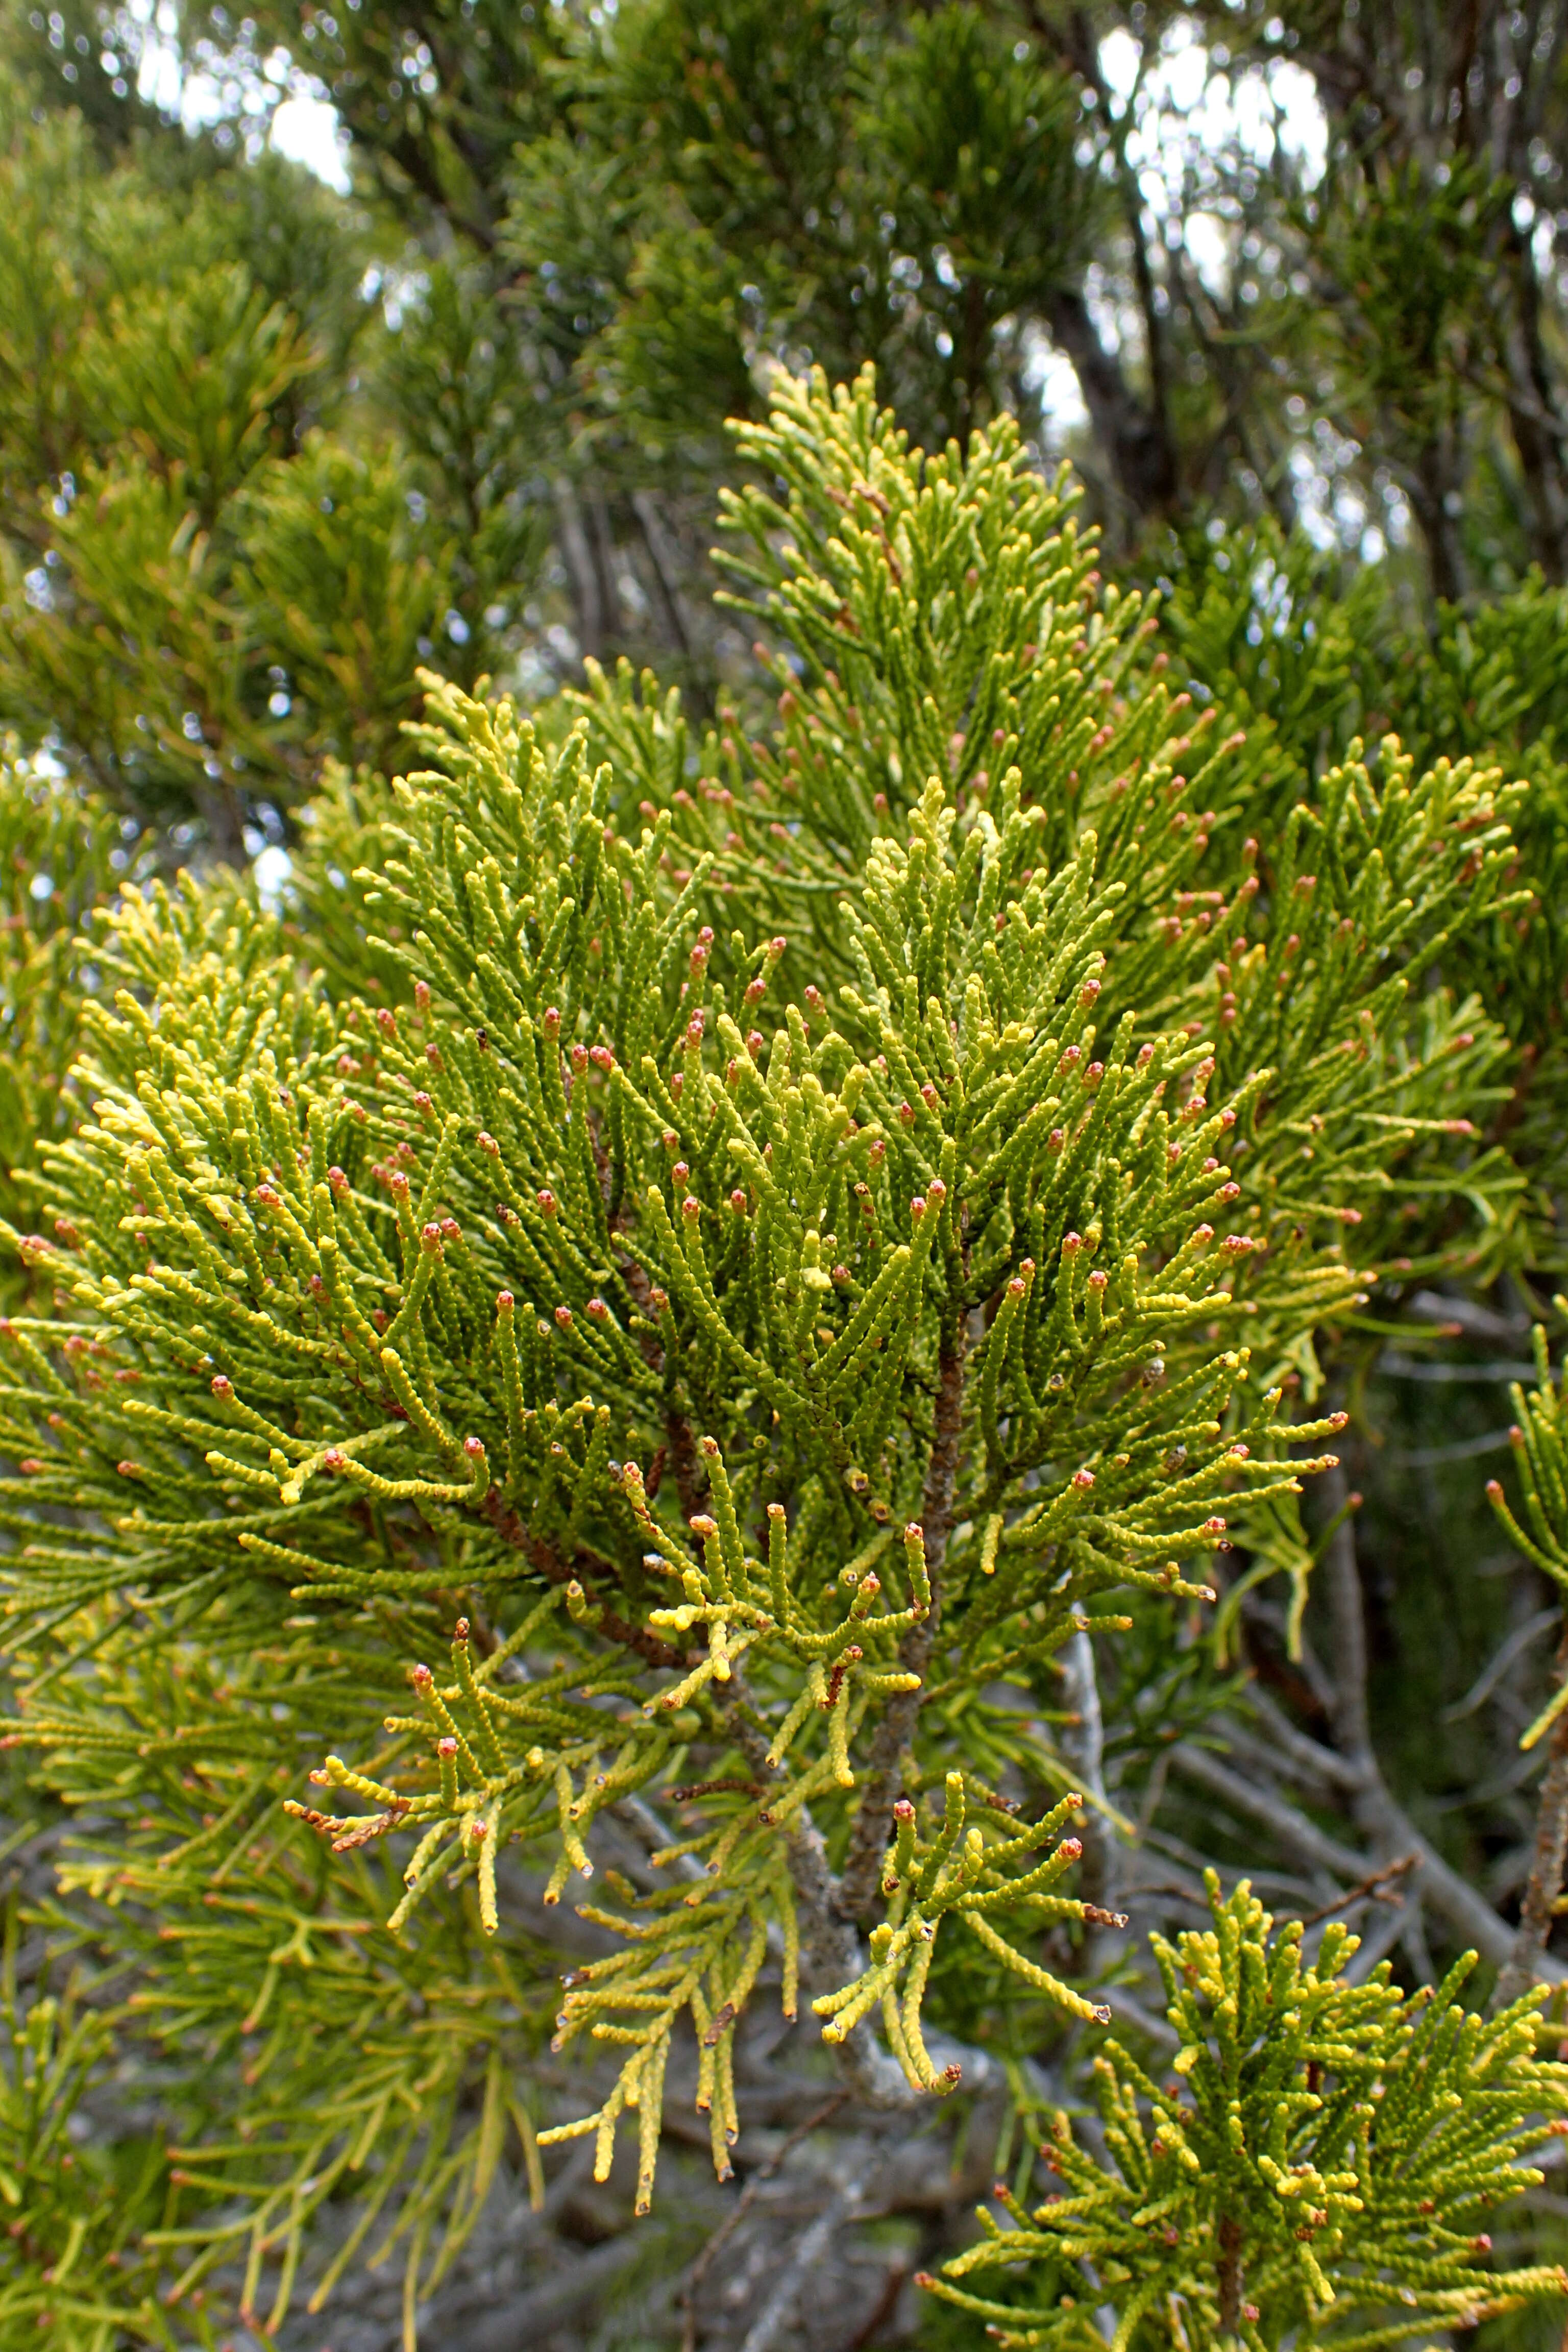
830	1948
1469	1449
743	2206
1377	1884
559	2298
809	2250
665	559
1303	1763
1498	1664
1294	1832
1381	1819
1382	1935
1341	1572
1476	1321
862	1867
831	1955
512	1530
637	1815
882	2310
1522	1966
1083	1744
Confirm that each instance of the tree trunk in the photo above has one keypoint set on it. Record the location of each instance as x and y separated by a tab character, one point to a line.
1142	461
1434	494
581	574
1536	423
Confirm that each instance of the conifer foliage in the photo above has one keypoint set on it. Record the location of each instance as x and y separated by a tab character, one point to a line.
1325	2150
826	1219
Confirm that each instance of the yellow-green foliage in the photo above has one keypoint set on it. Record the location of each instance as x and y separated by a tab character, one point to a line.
1316	2172
795	1251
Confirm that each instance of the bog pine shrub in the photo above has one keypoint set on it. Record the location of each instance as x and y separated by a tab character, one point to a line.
826	1220
1322	2156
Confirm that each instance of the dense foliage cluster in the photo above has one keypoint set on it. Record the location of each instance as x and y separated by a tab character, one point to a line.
762	1324
750	1419
1325	2150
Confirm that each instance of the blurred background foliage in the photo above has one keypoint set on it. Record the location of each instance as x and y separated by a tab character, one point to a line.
1284	280
1283	283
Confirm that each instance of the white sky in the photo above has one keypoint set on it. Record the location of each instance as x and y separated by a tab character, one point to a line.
303	124
306	128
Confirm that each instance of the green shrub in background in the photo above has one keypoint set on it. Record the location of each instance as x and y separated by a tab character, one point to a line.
228	541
